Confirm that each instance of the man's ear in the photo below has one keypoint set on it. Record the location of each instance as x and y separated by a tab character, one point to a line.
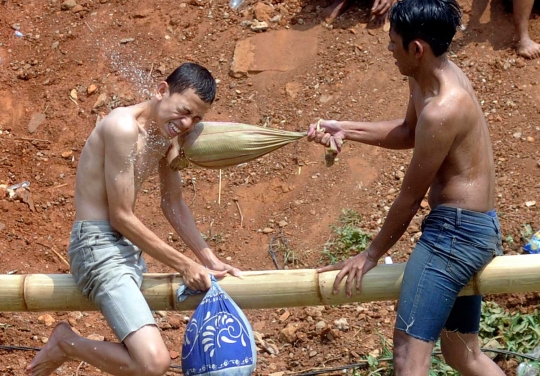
418	48
162	90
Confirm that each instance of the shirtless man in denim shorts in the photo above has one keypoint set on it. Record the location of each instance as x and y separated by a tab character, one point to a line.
124	149
453	159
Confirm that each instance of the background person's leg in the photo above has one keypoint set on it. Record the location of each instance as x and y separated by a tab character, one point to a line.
526	47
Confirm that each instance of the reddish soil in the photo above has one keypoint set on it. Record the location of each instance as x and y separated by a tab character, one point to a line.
345	72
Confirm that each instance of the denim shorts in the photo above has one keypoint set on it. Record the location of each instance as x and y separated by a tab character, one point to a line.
455	245
109	269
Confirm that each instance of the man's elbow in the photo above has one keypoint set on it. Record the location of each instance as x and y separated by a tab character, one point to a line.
410	202
118	220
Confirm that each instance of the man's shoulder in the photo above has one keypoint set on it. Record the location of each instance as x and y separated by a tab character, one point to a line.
121	114
451	105
120	121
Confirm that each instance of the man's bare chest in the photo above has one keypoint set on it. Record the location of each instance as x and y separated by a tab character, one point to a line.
147	158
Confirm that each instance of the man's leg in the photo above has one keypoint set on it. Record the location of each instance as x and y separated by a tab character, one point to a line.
143	353
411	356
109	270
526	47
462	352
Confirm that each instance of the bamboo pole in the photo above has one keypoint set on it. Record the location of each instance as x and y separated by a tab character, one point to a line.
263	289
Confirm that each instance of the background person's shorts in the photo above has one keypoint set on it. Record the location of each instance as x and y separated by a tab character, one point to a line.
455	244
109	269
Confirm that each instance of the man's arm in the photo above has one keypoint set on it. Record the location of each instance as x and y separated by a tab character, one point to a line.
180	217
392	134
120	139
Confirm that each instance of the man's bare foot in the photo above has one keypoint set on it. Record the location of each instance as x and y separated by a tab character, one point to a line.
335	9
528	48
51	356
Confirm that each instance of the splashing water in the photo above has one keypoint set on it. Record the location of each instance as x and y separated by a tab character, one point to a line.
130	65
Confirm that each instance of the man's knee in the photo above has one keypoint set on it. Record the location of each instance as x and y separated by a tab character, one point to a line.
157	363
401	348
148	352
400	345
411	355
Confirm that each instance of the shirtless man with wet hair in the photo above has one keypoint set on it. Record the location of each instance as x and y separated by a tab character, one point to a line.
453	159
107	238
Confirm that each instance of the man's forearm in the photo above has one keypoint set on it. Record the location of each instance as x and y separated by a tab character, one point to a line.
133	229
398	219
179	216
392	134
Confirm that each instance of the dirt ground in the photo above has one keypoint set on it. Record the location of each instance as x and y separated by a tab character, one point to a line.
78	60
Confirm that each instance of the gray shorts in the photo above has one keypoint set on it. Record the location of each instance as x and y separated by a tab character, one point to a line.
109	269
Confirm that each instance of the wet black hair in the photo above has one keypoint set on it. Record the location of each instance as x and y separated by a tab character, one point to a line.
433	21
193	76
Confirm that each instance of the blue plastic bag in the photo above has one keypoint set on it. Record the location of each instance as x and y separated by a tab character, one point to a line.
533	246
218	340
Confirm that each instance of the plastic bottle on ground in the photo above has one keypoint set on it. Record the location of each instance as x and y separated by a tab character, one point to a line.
235	4
528	368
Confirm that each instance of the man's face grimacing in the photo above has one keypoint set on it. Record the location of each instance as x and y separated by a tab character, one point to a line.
179	112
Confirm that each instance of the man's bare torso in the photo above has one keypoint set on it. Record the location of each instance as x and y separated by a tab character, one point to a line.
466	178
91	200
